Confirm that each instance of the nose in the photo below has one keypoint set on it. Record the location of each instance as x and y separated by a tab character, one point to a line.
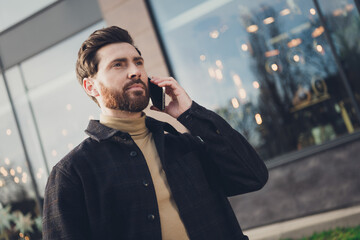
134	72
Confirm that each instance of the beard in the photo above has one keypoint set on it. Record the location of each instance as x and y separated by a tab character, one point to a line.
130	101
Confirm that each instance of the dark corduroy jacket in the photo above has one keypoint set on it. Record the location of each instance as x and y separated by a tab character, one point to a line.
103	188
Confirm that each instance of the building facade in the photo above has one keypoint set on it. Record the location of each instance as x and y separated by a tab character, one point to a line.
284	73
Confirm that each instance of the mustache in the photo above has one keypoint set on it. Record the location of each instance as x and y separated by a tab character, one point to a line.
132	82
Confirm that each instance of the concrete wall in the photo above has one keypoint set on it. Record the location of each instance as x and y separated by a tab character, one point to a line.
324	181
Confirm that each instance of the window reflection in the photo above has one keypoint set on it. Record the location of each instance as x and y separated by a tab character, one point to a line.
278	82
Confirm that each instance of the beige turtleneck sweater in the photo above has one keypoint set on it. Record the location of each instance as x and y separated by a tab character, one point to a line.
172	227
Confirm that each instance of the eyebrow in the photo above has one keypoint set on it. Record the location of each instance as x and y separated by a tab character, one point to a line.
125	60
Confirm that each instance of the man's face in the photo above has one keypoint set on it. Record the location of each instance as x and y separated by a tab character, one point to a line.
121	78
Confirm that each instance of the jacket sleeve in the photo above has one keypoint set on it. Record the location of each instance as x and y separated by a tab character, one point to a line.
64	213
229	161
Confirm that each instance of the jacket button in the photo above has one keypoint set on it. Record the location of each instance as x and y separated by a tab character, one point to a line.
145	183
151	217
133	153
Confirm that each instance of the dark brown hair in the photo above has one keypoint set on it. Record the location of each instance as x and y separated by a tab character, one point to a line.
88	61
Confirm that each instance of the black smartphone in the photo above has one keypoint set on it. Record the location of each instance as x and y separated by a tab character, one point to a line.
157	95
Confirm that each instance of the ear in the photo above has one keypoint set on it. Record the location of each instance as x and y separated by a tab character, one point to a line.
90	88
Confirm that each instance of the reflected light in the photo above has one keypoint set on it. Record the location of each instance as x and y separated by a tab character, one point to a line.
274	67
214	34
12	172
319	48
258	119
38	175
19	169
317	32
312	11
211	72
64	132
272	53
256	84
237	80
269	20
7	161
235	103
16	180
24	175
70	146
8	132
24	179
54	153
219	64
285	12
202	57
252	28
68	106
3	171
218	74
349	7
91	117
242	93
2	183
294	42
338	12
296	58
244	47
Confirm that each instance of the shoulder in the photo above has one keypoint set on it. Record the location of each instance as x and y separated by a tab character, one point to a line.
72	163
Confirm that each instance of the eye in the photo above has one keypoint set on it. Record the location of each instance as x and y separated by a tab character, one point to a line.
118	64
139	63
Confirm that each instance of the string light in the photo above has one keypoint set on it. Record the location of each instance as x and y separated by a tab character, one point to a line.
319	48
7	161
219	64
274	67
16	180
268	20
312	11
237	80
296	58
244	47
258	119
19	169
252	28
256	84
211	72
242	93
218	74
64	132
202	57
235	103
214	34
12	172
8	131
285	12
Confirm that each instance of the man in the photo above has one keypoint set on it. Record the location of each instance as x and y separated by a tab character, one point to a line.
136	177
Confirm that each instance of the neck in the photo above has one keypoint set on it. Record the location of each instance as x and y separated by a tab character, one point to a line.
120	113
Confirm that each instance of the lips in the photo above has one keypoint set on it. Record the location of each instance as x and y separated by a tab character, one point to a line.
135	86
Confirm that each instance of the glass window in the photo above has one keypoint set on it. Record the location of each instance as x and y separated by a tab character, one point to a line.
266	67
60	107
12	12
342	19
17	196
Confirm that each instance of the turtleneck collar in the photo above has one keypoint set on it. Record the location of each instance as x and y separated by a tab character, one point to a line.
135	127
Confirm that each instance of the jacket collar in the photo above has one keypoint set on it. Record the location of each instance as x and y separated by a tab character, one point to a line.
100	132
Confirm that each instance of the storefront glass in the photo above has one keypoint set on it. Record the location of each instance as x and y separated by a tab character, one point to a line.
265	66
53	112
